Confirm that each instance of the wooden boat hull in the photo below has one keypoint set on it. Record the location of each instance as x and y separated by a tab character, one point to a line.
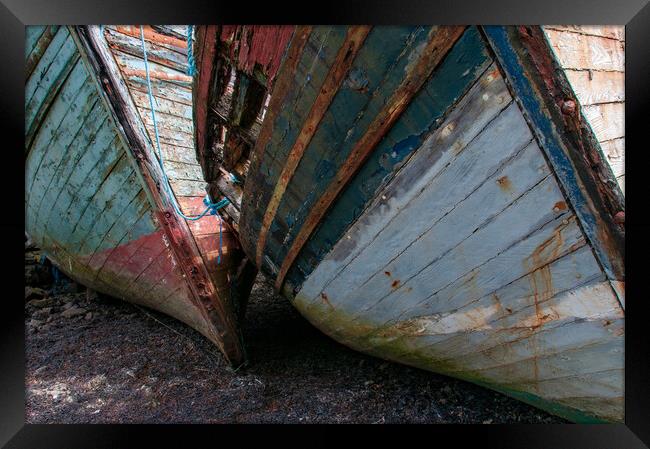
428	195
93	196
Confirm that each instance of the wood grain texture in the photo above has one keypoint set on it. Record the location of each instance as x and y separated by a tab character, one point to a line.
599	89
312	51
606	120
577	51
470	262
544	94
174	119
469	59
339	68
91	203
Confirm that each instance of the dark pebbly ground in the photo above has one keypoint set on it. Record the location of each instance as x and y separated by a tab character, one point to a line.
95	359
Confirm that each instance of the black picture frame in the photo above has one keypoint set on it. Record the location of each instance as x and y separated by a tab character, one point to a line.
16	14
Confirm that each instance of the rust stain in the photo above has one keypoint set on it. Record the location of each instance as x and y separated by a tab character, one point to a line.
354	40
151	35
560	206
387	273
439	43
588	162
538	263
497	302
504	183
324	297
395	283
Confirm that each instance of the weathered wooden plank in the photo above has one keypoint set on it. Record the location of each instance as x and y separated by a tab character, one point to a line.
91	172
465	62
173	153
68	158
207	86
438	45
208	225
550	242
116	260
439	150
514	311
161	90
568	142
43	97
132	45
596	86
154	36
229	189
96	156
55	124
132	67
614	150
173	107
138	267
107	212
41	102
169	136
32	34
92	204
606	120
191	205
457	221
187	187
338	70
610	31
37	38
411	282
182	170
124	229
77	110
300	81
558	351
577	51
165	122
373	77
60	42
521	309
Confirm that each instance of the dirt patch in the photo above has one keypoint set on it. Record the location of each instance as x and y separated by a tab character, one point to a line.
95	359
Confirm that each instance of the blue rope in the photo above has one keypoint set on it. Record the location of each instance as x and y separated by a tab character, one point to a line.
191	69
211	207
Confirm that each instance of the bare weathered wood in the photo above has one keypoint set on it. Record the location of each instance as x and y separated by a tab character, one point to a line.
441	40
216	310
132	45
577	51
344	58
606	120
610	31
592	87
546	97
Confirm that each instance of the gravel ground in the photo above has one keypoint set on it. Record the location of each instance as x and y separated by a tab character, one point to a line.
95	359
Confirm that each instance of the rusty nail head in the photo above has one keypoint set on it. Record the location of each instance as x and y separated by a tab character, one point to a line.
568	107
168	214
619	218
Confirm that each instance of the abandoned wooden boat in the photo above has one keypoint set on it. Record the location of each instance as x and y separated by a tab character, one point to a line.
434	196
96	196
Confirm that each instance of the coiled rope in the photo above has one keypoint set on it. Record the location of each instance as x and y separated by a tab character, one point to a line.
211	207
